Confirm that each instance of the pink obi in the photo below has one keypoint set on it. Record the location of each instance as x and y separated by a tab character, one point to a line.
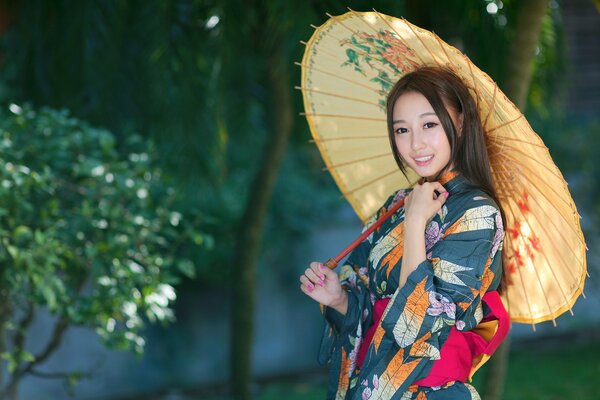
463	352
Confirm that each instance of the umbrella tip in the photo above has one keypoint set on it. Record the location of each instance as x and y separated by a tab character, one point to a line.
313	26
303	42
329	15
583	295
533	327
297	63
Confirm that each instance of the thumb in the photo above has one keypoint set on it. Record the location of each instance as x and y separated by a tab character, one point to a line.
329	273
441	199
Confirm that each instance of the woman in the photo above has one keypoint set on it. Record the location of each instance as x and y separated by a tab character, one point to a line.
403	315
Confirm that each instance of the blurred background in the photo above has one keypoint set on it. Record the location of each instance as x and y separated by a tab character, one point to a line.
159	196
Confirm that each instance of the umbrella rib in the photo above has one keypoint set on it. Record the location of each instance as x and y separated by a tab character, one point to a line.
491	107
441	43
354	32
540	281
474	81
531	182
515	150
395	170
550	265
343	116
496	138
359	51
344	164
504	124
400	38
551	221
521	276
423	43
303	88
329	139
339	77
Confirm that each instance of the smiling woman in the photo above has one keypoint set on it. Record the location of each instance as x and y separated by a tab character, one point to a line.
403	315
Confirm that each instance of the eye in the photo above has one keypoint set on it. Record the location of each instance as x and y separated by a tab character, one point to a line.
401	130
430	125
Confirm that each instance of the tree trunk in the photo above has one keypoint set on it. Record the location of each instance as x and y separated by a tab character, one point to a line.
251	226
519	68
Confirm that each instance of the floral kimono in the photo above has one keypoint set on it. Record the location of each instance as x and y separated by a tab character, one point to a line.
463	242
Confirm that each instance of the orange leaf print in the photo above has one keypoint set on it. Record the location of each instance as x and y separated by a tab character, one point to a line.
391	259
344	379
395	374
423	349
408	325
421	396
377	336
487	278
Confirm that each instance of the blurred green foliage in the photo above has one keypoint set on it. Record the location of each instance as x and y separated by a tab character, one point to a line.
87	229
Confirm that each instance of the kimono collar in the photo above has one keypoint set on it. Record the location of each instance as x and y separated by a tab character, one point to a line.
453	181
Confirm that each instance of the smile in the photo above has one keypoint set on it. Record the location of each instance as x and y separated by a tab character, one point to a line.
422	161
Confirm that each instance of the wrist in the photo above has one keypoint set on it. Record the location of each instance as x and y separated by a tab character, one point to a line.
340	304
414	222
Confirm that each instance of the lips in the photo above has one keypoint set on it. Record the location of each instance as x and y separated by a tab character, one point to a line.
423	161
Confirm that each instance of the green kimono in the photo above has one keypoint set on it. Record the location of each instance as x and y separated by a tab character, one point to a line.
463	242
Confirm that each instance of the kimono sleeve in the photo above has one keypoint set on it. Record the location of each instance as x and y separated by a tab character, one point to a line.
447	287
349	327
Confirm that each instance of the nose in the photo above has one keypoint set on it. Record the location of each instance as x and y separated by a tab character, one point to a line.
416	141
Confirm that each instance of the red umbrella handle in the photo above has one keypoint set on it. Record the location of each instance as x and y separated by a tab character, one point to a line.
333	262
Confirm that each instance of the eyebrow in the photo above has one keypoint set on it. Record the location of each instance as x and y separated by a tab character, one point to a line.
396	121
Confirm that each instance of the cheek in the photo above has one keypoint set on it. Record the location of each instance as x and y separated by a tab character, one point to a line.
402	145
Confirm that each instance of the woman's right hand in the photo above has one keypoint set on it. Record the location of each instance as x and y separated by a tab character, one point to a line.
323	285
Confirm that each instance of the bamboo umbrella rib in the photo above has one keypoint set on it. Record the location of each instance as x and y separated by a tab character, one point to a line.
362	52
422	43
331	139
548	218
377	32
515	161
441	44
339	77
359	51
497	138
343	116
517	150
395	170
549	265
345	164
503	125
551	188
491	105
382	17
508	288
336	95
474	81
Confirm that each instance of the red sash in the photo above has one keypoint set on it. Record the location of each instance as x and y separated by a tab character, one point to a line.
463	351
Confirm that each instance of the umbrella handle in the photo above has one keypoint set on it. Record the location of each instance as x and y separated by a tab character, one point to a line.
333	262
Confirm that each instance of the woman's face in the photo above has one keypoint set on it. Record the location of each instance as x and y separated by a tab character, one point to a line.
419	135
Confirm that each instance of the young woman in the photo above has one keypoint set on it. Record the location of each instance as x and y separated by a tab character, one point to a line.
404	316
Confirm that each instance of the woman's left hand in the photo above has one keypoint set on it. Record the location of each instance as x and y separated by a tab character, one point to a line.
423	203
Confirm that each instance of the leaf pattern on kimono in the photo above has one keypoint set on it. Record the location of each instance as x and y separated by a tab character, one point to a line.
344	378
377	336
487	278
395	374
446	271
473	219
408	325
423	349
390	247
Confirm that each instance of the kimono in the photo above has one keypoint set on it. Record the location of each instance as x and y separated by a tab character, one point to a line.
463	261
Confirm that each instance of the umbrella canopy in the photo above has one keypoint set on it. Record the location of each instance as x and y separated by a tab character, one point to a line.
350	64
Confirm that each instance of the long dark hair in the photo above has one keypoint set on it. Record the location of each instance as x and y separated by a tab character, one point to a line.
443	88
